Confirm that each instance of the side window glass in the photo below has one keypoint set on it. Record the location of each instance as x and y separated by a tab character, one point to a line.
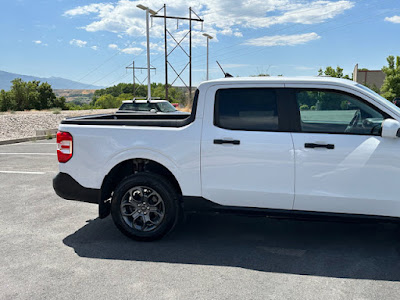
333	112
246	109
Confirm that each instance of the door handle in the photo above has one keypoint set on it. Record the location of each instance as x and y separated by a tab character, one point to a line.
312	145
233	142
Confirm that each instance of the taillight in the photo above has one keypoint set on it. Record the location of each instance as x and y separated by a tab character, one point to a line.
64	146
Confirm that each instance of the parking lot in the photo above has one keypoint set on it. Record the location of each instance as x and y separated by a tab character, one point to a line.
57	249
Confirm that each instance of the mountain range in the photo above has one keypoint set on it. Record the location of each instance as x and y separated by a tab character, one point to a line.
55	82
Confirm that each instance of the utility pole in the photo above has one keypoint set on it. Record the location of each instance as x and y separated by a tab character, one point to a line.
166	51
148	55
178	44
134	76
209	37
133	72
190	53
148	12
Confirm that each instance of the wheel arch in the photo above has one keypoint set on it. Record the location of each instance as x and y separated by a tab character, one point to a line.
129	167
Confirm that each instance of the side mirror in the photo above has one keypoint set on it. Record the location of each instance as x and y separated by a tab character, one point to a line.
153	110
390	128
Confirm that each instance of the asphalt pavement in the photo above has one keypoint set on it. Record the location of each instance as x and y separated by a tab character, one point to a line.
57	249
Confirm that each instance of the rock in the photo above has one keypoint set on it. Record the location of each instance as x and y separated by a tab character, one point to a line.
24	124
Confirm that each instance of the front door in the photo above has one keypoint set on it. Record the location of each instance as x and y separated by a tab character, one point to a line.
343	165
246	159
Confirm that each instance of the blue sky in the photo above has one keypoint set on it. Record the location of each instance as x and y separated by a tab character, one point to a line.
93	41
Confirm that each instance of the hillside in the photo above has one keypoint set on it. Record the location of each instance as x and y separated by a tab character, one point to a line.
77	96
56	82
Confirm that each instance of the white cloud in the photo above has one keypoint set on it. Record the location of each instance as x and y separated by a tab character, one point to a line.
78	43
133	50
394	19
38	42
95	48
100	8
154	46
221	17
282	40
113	46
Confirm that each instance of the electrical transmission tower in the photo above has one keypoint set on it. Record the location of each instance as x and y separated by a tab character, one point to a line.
132	66
167	33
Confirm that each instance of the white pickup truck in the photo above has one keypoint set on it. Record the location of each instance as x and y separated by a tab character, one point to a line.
276	146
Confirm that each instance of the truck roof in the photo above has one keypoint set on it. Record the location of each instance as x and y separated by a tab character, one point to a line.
281	79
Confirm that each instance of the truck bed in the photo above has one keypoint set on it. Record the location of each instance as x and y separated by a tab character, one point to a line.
133	119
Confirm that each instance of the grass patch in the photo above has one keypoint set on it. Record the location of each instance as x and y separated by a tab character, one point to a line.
49	136
56	110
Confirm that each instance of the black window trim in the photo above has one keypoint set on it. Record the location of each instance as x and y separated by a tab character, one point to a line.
286	108
298	117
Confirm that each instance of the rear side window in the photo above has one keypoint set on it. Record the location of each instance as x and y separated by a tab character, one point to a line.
246	109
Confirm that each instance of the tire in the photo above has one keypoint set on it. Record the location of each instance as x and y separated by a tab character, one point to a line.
145	207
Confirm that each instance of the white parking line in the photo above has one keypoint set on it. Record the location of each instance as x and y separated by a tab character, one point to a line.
22	172
12	153
30	143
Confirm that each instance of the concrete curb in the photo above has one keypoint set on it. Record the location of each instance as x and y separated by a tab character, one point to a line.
27	139
46	132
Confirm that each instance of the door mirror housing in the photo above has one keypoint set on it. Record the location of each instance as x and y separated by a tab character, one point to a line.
390	128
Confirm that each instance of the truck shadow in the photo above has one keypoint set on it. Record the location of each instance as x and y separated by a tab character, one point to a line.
341	250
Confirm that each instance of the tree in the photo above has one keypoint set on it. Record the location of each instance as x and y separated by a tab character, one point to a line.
337	73
18	92
261	75
391	86
29	95
46	96
124	96
124	91
60	102
33	95
6	101
108	101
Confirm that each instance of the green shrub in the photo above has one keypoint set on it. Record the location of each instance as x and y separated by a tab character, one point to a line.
56	110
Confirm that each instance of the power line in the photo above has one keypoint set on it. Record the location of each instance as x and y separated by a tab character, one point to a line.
133	68
123	76
330	29
108	74
167	34
215	52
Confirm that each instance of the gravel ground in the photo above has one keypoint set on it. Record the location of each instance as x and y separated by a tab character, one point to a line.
24	124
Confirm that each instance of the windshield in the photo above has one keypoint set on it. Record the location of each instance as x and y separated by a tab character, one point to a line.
145	106
166	107
387	102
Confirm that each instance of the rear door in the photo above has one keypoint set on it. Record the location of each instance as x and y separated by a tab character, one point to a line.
246	156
